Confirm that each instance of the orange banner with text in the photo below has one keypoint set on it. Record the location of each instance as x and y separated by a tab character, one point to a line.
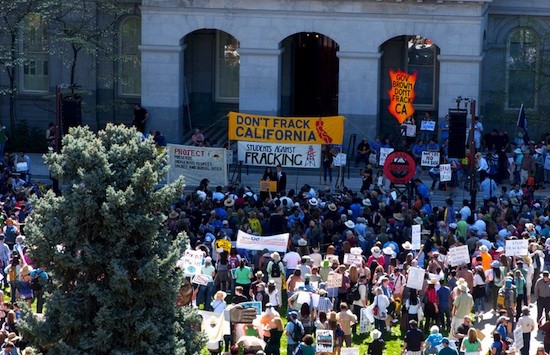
296	130
401	94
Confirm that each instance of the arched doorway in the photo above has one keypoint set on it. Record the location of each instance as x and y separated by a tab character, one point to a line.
211	69
410	54
309	75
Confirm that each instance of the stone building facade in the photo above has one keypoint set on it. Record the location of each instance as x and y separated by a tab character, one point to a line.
201	59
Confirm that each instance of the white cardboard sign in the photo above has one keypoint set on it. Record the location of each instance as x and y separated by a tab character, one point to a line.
415	279
416	236
459	255
384	152
517	247
429	158
445	172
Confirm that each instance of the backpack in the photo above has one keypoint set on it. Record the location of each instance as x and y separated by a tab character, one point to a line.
298	331
276	270
354	294
10	234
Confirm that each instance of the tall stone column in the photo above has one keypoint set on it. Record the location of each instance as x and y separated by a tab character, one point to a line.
162	89
459	75
358	92
259	88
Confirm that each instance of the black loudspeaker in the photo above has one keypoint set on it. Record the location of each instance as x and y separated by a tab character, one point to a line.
457	135
71	112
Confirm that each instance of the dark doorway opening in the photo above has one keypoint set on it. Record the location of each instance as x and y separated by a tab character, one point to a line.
309	75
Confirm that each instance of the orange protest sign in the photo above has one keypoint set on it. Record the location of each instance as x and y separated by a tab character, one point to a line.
401	94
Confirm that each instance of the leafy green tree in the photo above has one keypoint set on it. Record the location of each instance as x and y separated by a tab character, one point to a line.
87	27
110	258
12	18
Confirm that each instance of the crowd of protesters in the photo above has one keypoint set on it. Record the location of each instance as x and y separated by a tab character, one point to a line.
373	228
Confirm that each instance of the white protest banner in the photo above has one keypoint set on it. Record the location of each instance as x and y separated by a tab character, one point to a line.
278	242
256	305
445	172
197	163
459	255
349	351
517	247
200	280
410	130
191	262
334	280
339	159
353	259
547	162
416	236
325	341
415	279
427	125
273	154
429	158
364	321
384	152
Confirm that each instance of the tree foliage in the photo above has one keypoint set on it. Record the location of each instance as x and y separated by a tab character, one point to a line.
111	260
87	26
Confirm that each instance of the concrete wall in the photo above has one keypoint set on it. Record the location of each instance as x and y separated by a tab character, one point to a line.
359	28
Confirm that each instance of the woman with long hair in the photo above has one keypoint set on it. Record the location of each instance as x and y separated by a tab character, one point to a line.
221	281
497	281
243	275
273	346
305	316
431	308
471	344
478	292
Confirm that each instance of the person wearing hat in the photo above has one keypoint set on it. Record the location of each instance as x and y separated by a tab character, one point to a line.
218	304
377	345
205	292
376	256
294	331
446	349
507	295
462	304
542	294
527	326
275	271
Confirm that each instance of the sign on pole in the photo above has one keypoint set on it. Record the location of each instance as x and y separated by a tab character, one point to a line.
415	279
325	341
402	94
517	247
459	255
355	259
384	152
334	280
191	262
445	172
196	163
429	158
416	236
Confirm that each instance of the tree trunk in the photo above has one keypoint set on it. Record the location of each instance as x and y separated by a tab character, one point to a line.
73	63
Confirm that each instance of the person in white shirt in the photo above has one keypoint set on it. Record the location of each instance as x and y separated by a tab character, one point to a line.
291	260
527	326
465	211
481	163
316	257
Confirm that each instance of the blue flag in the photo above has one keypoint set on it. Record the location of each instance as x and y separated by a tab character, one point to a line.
522	123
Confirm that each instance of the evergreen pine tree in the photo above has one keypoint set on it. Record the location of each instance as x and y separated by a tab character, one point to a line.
105	247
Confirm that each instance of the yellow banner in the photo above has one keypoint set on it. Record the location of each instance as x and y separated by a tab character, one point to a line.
297	130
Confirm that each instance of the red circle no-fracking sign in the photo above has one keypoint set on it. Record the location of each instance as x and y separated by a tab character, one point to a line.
399	167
